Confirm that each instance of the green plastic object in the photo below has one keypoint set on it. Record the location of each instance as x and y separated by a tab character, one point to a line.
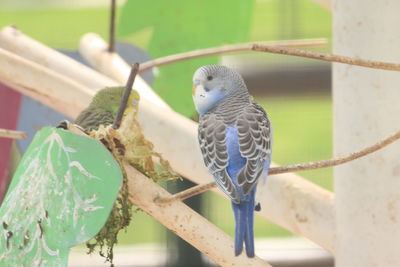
178	26
61	195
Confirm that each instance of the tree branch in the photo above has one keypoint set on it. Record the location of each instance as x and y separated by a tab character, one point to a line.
224	50
125	96
195	190
111	41
12	134
326	57
274	49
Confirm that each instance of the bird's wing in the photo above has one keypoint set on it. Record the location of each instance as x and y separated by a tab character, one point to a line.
91	118
212	139
254	133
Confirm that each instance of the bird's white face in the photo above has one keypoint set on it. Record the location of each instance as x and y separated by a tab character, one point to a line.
207	91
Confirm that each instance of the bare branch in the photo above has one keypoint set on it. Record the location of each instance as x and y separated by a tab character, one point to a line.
125	96
111	42
12	134
195	190
326	57
226	49
283	49
185	194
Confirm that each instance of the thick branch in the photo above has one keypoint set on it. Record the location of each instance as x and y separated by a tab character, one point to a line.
224	50
12	134
195	190
93	49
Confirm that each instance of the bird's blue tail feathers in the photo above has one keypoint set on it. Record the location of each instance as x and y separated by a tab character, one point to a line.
244	218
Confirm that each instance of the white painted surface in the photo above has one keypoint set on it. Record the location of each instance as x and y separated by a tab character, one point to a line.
366	109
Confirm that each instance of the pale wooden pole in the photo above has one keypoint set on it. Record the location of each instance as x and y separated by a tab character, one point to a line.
13	40
100	58
366	108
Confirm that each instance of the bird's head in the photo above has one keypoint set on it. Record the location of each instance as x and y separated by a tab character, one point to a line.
213	83
110	98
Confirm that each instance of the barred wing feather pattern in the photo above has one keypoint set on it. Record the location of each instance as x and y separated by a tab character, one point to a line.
212	139
254	135
254	132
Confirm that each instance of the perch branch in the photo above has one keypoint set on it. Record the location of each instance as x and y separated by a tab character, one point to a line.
224	50
274	49
326	57
125	96
55	90
195	190
14	41
12	134
111	42
94	49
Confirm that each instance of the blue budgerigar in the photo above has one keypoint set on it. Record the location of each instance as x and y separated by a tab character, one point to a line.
235	140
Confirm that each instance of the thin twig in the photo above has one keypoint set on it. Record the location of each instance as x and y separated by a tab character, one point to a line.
326	57
111	41
12	134
290	168
125	96
275	49
226	49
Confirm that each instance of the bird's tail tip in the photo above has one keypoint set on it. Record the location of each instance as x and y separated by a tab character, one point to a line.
244	213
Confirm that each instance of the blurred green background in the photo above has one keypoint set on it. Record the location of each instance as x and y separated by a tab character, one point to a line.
301	118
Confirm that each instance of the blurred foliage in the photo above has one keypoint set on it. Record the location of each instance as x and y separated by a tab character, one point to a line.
302	128
178	26
59	28
289	19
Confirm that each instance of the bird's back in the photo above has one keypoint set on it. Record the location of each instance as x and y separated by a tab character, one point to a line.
91	118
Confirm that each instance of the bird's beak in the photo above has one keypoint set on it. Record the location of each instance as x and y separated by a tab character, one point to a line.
194	89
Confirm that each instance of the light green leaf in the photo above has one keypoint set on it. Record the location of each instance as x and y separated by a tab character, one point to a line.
60	196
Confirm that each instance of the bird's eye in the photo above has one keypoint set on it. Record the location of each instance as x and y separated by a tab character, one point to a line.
209	77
